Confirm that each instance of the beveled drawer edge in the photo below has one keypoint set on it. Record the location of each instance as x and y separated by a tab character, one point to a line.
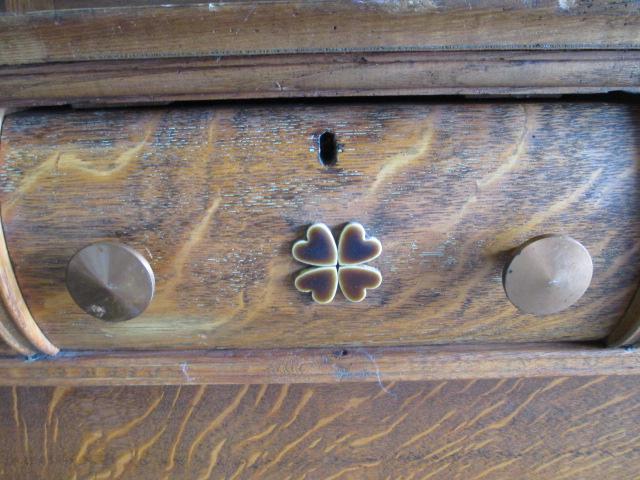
17	327
381	365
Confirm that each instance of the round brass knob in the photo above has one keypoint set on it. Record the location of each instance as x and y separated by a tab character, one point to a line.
110	281
548	274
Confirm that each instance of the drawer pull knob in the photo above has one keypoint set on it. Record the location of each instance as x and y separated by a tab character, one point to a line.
341	265
548	274
110	281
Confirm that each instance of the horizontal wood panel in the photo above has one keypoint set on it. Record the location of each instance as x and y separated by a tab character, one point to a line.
241	28
283	76
561	428
215	195
308	365
12	7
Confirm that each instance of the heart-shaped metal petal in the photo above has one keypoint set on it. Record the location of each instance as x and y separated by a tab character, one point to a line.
322	282
355	280
355	248
318	249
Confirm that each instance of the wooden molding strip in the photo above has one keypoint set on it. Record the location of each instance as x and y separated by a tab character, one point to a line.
307	75
17	327
377	364
300	26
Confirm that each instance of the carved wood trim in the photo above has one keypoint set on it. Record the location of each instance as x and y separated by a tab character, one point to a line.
17	327
12	337
16	307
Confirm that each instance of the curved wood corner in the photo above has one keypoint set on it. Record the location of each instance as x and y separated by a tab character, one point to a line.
627	331
16	307
12	337
17	326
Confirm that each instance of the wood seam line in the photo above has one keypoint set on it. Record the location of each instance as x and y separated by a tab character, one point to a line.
320	365
14	304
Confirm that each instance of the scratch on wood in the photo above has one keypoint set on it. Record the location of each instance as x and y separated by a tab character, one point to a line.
372	359
184	368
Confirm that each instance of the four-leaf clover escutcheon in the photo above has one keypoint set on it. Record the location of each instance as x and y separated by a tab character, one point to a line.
341	265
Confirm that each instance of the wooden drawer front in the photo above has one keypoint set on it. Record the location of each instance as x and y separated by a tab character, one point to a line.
215	195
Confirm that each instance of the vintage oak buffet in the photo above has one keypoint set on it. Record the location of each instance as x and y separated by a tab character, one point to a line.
159	162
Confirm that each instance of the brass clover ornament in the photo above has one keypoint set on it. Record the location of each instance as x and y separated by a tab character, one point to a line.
341	265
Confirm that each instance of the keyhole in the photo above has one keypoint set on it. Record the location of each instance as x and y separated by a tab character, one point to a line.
328	148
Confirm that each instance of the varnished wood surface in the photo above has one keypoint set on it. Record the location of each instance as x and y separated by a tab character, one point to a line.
6	350
12	308
26	336
338	365
11	339
627	332
560	428
215	196
242	28
304	75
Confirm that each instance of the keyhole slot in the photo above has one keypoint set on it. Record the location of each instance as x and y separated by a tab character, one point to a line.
328	148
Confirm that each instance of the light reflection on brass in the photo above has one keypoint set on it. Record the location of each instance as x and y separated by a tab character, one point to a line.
548	274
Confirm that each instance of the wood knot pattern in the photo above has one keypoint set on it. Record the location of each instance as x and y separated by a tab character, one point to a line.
337	265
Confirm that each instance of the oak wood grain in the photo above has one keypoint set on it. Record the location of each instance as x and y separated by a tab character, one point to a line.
308	365
215	196
320	75
247	28
560	428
